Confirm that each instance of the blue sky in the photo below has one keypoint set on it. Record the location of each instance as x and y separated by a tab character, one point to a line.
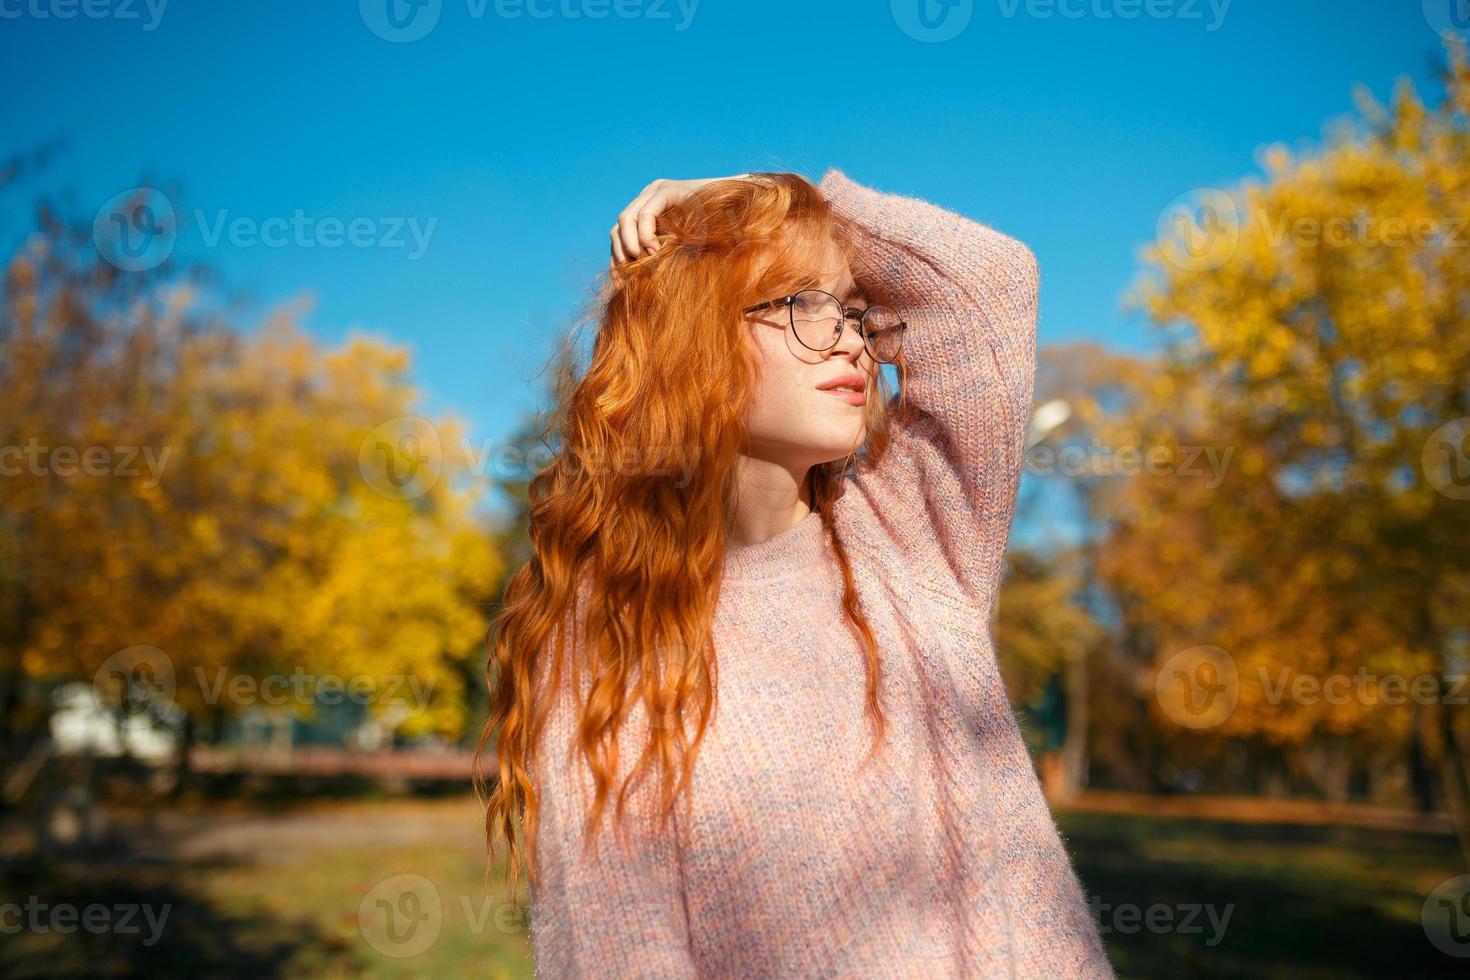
512	132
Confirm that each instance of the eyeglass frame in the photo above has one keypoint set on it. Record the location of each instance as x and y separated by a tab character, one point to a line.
848	312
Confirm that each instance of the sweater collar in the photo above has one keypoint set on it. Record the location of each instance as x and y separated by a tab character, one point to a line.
778	557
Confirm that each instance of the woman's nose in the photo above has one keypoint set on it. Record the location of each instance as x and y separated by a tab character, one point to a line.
850	337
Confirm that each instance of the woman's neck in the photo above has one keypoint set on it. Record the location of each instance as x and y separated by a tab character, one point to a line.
771	498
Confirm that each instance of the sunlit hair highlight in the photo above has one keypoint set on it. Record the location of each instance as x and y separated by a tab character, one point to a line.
628	522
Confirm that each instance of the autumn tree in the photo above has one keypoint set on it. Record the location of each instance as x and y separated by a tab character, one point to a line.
1317	329
215	504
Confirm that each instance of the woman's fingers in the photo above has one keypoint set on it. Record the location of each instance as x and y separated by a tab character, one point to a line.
627	224
648	227
628	234
636	230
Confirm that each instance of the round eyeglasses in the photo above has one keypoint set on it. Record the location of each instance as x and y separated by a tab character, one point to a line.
817	319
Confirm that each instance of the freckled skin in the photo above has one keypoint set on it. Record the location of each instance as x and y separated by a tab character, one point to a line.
790	421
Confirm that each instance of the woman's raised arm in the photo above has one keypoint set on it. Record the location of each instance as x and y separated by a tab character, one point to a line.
947	485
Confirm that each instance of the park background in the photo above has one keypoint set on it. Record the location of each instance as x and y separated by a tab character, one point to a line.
280	281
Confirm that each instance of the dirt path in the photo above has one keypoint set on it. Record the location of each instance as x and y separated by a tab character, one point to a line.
1251	809
280	834
235	833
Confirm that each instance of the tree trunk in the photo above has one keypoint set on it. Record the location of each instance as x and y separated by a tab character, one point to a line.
1074	751
182	766
1421	774
1454	771
8	755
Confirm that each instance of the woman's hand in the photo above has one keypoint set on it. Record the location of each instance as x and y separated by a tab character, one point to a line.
633	235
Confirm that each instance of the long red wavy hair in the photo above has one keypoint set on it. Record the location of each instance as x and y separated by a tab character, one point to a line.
643	537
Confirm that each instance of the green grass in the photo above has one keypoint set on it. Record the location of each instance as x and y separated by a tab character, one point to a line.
1303	901
253	921
291	907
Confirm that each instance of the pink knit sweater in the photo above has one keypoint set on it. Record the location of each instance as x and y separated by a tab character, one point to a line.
942	858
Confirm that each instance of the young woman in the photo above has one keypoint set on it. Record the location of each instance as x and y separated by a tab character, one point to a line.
746	556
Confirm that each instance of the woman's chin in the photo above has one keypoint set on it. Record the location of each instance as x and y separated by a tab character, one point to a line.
839	450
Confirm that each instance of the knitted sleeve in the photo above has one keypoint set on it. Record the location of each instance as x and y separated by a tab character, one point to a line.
618	912
944	492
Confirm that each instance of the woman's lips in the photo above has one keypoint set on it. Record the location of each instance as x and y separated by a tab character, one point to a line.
851	397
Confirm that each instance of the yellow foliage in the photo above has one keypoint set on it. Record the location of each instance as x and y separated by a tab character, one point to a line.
1325	351
244	535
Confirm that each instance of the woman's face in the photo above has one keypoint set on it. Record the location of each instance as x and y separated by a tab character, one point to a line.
792	420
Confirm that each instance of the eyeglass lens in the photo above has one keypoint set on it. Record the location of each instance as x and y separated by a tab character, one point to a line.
817	318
